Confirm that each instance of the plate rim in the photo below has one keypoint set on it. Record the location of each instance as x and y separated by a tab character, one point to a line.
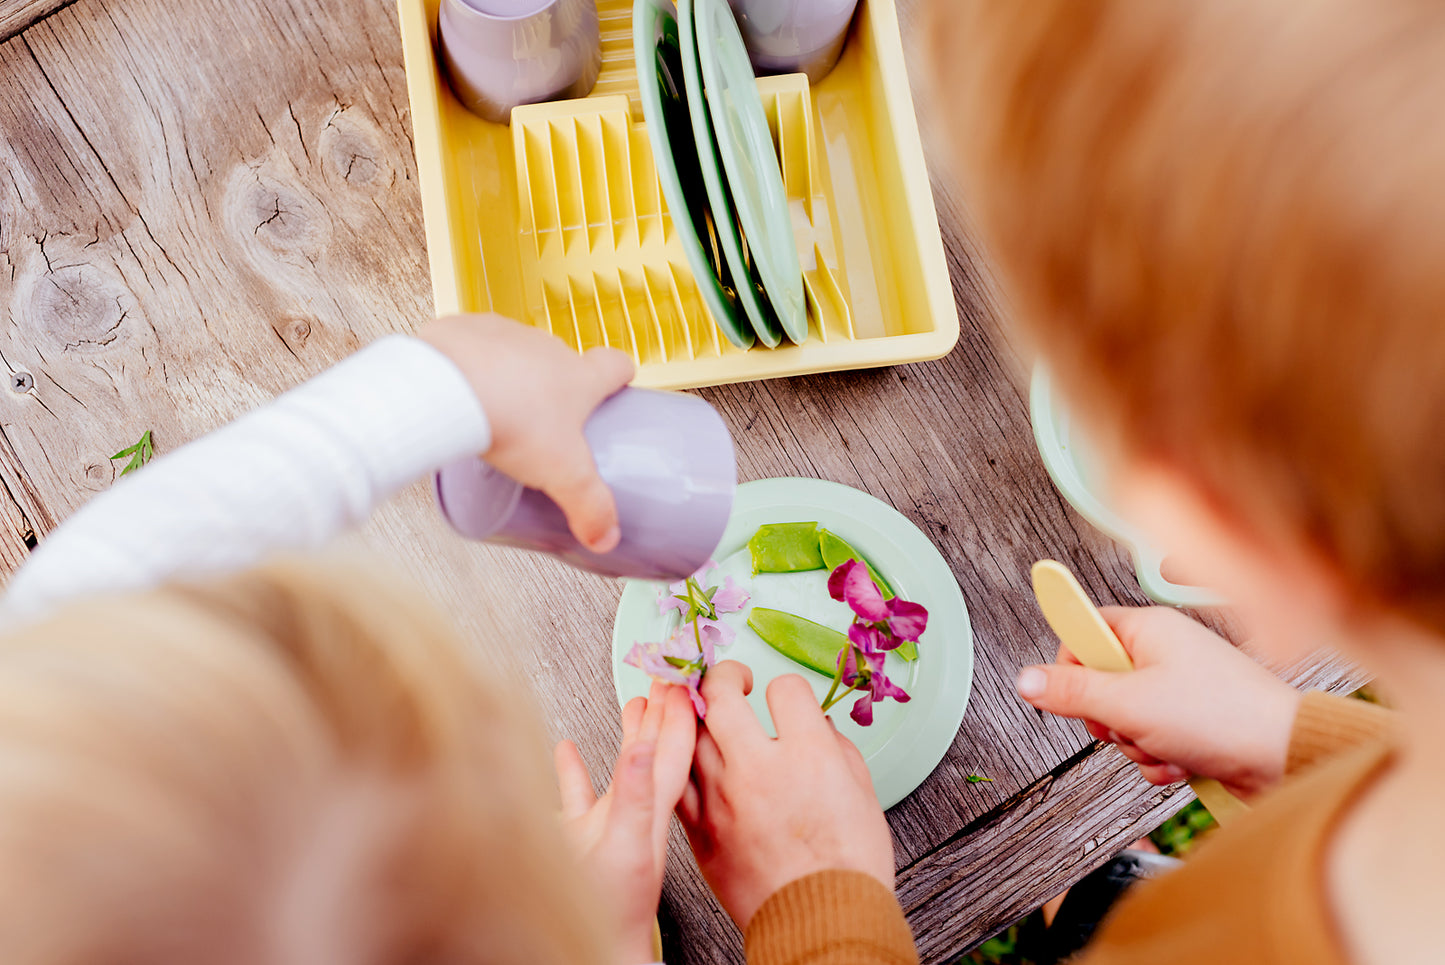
759	309
772	218
726	314
957	675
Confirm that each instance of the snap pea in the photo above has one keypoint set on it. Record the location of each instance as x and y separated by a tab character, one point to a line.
785	548
800	640
837	551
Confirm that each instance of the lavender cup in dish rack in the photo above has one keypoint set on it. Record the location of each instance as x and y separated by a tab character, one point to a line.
669	461
791	36
499	54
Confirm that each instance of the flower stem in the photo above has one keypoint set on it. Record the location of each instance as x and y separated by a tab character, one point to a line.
837	679
828	704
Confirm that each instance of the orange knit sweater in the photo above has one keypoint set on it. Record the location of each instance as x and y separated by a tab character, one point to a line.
1254	894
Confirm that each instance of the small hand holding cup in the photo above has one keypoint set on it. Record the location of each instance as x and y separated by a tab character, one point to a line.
761	812
538	394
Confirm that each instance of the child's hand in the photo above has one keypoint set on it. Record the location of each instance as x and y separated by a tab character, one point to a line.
761	812
1193	705
537	394
623	836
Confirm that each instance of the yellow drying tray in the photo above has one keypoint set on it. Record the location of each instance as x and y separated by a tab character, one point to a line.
559	220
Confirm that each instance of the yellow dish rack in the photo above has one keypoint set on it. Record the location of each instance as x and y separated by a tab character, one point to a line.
559	219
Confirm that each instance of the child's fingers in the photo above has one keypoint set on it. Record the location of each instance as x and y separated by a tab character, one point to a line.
1098	731
689	806
573	783
676	741
632	715
730	719
629	819
1163	773
608	370
707	760
651	725
1142	758
583	497
794	709
1073	691
1065	655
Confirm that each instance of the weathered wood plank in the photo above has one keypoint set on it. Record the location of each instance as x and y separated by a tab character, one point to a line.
16	15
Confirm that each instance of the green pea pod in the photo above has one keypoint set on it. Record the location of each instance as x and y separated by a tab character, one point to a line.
837	551
785	548
802	641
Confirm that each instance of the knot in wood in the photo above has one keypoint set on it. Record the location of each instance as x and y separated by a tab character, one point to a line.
80	309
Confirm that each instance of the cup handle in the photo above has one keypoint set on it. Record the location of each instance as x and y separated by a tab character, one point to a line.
1148	566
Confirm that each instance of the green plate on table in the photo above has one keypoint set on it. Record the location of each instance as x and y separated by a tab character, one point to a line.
751	292
906	741
749	159
658	52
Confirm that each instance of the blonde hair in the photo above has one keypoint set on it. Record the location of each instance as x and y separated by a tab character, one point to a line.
291	765
1223	223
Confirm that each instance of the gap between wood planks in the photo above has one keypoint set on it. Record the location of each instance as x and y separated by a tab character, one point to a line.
16	15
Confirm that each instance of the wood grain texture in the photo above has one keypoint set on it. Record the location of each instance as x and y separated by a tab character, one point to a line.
204	204
16	15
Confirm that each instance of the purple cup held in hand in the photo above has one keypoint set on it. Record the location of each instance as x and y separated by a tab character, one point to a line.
499	54
668	459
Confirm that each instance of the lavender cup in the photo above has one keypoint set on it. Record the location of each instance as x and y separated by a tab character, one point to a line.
499	54
788	36
669	460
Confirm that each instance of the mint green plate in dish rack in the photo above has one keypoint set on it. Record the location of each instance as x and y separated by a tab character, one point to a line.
906	741
657	45
751	292
750	161
1072	467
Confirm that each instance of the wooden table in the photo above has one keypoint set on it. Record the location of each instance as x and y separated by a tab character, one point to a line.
204	203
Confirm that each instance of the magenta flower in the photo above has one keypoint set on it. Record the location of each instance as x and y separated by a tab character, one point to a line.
878	626
902	620
869	678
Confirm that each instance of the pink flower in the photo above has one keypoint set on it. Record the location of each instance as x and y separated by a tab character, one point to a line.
897	617
677	660
731	598
869	678
689	600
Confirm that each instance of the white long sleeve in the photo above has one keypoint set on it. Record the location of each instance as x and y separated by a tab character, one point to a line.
287	476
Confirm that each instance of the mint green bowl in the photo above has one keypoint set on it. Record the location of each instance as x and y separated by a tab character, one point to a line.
1075	473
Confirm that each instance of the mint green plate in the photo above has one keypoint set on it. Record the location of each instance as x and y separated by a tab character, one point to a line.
657	49
906	741
751	293
749	159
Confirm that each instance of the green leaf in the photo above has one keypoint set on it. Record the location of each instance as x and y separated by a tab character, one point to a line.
140	453
978	779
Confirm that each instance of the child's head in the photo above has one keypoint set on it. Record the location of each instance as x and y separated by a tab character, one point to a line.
1223	225
285	766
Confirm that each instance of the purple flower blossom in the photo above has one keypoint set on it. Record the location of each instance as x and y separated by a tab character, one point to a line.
730	598
869	678
879	626
677	660
851	584
684	657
